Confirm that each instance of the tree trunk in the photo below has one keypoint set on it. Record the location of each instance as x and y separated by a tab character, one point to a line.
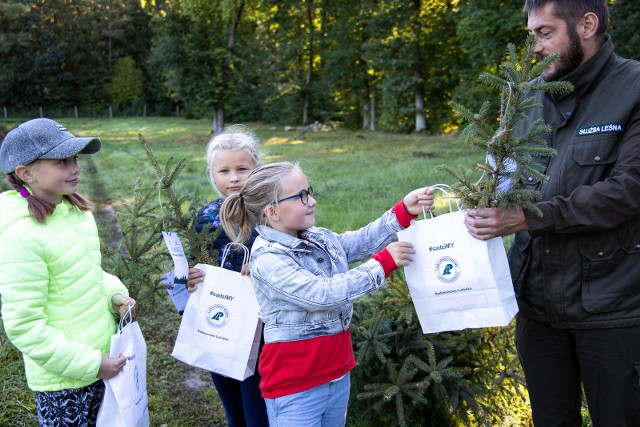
366	106
421	119
307	91
218	119
372	121
418	88
233	29
218	110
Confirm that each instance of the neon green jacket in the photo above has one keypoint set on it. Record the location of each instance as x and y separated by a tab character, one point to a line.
56	299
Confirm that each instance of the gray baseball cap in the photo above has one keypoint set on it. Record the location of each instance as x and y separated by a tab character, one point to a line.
42	139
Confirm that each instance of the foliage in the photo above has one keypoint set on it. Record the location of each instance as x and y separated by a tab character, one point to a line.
484	28
59	54
126	85
408	48
625	14
140	258
510	156
359	63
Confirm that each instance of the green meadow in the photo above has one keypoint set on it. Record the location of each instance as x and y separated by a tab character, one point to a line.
356	174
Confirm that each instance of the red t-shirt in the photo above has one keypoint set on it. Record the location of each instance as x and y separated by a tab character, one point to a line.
294	366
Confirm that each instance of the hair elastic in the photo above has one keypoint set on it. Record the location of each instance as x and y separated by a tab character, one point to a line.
23	192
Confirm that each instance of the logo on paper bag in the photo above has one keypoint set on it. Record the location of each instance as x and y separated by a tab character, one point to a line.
447	269
217	315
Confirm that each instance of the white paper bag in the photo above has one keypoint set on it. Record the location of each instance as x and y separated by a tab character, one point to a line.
125	401
455	280
221	329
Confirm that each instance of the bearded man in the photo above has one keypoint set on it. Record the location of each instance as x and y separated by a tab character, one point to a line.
576	269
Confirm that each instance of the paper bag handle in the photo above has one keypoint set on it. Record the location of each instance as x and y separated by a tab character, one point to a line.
127	318
446	189
227	247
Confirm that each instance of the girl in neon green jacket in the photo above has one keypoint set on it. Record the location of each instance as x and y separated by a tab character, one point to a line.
58	305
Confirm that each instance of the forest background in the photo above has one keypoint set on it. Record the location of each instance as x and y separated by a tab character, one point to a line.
352	66
390	65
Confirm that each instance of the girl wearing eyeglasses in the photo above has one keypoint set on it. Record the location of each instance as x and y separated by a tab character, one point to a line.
305	288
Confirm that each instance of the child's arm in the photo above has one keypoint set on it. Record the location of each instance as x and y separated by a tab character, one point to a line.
207	220
109	368
418	200
396	254
290	286
194	278
361	244
113	286
120	303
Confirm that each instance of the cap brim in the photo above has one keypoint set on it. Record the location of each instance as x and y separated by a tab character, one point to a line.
73	146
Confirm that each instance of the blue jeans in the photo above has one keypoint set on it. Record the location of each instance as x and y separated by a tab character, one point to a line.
324	405
242	401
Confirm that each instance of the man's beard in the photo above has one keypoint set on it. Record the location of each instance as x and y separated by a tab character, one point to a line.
568	61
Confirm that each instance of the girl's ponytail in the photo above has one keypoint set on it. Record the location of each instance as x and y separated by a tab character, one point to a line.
235	218
41	208
241	212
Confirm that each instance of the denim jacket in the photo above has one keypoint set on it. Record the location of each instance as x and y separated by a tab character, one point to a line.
304	285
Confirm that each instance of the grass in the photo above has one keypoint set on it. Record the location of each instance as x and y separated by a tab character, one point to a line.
356	174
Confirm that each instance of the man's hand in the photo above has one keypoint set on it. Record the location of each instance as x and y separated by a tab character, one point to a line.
485	224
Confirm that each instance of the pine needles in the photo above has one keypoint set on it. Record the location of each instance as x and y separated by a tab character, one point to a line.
511	157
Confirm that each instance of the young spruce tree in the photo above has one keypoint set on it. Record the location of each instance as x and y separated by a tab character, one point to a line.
510	158
141	256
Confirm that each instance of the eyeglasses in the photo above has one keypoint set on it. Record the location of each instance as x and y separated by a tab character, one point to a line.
304	196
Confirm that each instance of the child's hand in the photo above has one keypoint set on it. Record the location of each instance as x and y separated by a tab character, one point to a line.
418	199
245	270
194	277
401	252
121	303
109	368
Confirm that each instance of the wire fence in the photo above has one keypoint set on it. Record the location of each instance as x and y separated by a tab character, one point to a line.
76	111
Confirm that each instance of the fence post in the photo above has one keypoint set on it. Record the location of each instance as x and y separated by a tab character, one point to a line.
41	115
75	110
110	112
5	112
